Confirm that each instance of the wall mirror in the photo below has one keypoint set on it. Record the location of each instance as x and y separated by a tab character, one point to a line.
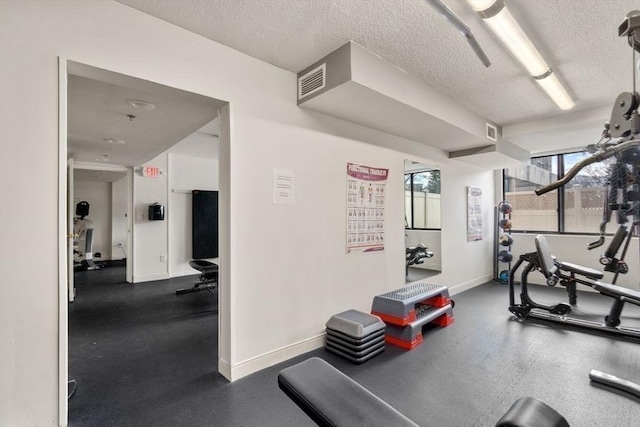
422	220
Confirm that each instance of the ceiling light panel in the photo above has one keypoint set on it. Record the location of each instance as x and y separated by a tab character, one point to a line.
500	21
552	86
510	33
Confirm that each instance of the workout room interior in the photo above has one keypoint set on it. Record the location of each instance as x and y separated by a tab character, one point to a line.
332	212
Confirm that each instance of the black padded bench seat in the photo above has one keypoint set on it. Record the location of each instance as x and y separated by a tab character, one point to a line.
331	398
531	412
584	271
617	291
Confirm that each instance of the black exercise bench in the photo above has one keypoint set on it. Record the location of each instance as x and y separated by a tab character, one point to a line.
332	399
208	279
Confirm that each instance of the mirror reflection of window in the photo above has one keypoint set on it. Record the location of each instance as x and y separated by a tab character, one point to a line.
422	199
422	220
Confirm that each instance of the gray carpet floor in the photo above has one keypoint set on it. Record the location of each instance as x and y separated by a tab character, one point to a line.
143	356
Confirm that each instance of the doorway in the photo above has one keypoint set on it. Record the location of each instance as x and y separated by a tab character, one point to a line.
102	227
109	128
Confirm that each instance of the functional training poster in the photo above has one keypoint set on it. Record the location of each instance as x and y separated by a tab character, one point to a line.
365	208
474	214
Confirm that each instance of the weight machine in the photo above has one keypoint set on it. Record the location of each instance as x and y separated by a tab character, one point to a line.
83	238
619	140
416	255
568	275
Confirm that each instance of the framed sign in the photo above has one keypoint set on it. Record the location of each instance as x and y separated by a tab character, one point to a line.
474	214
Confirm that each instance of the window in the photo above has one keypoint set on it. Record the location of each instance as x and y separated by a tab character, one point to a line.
422	200
577	207
531	212
584	194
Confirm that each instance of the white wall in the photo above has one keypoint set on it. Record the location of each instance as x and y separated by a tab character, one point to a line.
98	194
300	241
150	237
186	173
300	274
162	249
119	220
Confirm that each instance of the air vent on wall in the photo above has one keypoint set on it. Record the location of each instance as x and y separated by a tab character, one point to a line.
312	81
492	132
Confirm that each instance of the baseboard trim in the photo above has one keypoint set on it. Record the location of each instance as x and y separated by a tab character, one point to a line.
224	369
468	285
255	364
150	277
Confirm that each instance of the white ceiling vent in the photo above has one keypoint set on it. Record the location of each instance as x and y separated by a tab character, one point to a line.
312	81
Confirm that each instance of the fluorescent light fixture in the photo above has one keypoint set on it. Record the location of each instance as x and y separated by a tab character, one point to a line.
556	91
115	141
505	27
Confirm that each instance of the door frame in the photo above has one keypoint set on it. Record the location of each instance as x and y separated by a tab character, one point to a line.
224	288
63	269
71	236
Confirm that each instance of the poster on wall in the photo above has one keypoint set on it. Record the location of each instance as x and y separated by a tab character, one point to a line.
365	208
474	214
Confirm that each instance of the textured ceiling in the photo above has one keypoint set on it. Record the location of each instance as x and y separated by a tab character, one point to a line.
92	174
98	108
578	38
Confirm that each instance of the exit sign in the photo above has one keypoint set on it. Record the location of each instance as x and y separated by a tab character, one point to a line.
151	171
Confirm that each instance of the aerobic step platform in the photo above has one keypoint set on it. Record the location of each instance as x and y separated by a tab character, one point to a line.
410	336
399	307
407	310
355	335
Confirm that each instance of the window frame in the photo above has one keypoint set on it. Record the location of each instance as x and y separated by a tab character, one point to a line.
560	226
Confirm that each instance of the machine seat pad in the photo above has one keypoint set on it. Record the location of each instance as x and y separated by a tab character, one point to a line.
583	271
331	398
613	290
531	412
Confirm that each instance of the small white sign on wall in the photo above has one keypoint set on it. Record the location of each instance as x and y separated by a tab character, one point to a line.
284	187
